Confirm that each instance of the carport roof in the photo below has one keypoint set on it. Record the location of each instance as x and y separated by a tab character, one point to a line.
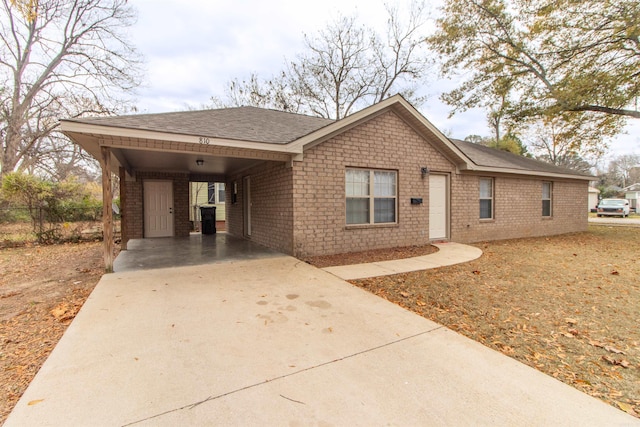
239	123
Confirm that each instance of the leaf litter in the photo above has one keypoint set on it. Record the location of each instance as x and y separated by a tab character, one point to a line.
566	305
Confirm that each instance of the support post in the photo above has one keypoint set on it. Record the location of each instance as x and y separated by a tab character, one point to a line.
107	211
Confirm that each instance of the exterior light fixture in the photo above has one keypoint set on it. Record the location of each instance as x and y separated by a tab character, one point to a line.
199	162
424	171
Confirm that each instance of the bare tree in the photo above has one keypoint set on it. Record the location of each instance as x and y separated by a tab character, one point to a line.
272	93
345	67
568	141
622	168
59	58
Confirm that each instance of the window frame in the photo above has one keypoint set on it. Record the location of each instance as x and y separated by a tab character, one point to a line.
213	189
549	199
491	198
371	197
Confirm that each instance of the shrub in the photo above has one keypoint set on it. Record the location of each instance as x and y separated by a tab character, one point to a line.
51	204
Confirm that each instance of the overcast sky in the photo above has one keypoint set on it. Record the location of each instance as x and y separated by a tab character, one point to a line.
193	48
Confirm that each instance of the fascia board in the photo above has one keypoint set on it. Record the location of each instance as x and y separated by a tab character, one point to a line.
490	170
111	131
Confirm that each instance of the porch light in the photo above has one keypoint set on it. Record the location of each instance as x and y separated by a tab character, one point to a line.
199	162
424	171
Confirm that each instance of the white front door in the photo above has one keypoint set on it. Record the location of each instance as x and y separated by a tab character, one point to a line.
158	208
438	212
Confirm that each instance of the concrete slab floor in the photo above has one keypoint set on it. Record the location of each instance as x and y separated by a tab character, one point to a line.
146	254
275	341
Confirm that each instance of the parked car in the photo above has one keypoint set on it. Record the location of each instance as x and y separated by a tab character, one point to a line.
613	207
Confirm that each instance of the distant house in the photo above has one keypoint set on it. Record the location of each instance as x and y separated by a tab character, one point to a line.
206	194
594	196
632	193
379	178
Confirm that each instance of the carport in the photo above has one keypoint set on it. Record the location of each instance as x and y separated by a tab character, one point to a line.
157	155
196	249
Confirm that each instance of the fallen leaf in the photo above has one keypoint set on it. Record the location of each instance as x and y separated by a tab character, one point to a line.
611	349
609	359
573	331
476	272
421	303
596	344
404	294
626	407
615	272
571	321
34	402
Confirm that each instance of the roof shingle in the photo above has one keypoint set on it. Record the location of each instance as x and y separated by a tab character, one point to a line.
239	123
494	158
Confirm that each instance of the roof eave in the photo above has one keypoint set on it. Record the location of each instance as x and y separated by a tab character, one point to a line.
527	172
70	126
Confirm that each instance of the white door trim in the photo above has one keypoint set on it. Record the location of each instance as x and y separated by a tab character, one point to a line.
158	208
438	206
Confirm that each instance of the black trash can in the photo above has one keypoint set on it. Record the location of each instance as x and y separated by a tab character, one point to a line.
208	217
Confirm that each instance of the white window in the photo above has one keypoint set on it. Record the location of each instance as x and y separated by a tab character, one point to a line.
547	197
215	192
371	196
486	198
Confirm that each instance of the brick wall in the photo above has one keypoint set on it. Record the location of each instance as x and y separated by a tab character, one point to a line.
384	142
134	209
271	205
387	142
300	208
517	209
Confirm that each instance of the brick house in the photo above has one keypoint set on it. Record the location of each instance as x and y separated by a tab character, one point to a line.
382	177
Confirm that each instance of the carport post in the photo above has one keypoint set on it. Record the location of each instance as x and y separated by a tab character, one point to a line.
107	213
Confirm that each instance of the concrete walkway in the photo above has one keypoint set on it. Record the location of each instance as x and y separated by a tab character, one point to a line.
448	254
275	341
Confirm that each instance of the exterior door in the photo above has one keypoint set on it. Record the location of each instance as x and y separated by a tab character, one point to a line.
158	208
438	206
246	204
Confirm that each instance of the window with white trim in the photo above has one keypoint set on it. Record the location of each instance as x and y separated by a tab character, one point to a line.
547	198
486	198
371	196
215	192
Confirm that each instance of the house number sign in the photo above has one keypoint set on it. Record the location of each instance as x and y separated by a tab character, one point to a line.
204	141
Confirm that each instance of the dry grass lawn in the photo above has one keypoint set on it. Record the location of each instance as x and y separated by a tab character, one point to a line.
567	305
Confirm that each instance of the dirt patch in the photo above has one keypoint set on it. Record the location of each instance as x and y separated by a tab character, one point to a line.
370	256
41	290
565	305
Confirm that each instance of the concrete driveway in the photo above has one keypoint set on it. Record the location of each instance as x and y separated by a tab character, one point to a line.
274	341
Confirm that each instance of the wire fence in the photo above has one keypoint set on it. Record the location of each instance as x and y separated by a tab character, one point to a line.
20	224
58	215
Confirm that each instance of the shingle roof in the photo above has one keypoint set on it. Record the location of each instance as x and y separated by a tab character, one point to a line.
494	158
276	127
240	123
